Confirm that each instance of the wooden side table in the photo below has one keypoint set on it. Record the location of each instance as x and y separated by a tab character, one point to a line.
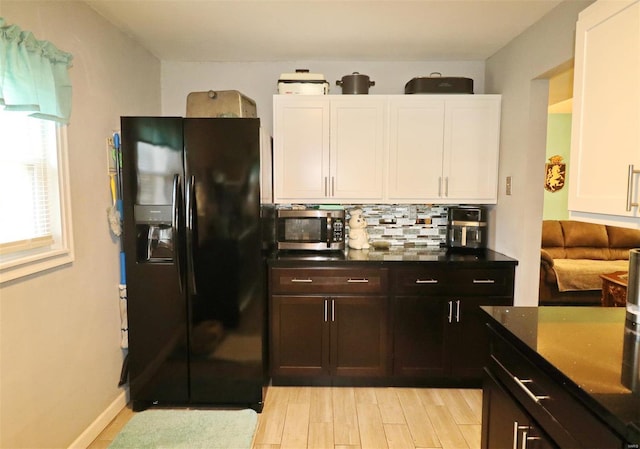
614	289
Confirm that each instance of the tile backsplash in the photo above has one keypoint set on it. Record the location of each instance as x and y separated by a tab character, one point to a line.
407	225
403	225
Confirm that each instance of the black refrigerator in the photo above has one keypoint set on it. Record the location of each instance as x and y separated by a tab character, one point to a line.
196	296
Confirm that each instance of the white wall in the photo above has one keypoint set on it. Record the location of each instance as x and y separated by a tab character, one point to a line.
258	80
60	330
518	72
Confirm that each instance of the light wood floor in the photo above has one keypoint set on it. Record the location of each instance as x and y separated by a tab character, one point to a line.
358	418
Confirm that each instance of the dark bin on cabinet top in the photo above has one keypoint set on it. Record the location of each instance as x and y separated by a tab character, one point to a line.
437	84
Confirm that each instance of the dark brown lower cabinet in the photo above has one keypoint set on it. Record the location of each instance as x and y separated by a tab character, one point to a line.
439	332
505	424
358	331
440	338
420	337
469	342
299	336
344	336
413	324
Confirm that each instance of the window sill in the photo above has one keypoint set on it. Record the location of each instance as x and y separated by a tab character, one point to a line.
27	266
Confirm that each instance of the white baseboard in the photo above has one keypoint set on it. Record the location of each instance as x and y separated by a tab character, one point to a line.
101	422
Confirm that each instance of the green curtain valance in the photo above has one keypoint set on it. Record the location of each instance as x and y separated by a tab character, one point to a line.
34	75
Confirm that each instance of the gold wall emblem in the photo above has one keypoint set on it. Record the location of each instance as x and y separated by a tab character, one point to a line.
556	171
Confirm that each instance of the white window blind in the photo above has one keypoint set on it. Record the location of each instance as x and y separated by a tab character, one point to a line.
25	188
34	207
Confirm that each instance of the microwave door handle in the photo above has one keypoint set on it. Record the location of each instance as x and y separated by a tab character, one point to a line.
190	209
329	231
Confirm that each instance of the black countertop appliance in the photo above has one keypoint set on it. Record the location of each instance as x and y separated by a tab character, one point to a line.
467	227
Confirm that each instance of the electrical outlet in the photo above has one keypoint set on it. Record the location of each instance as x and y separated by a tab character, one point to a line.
508	185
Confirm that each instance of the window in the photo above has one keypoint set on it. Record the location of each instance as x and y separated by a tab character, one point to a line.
35	225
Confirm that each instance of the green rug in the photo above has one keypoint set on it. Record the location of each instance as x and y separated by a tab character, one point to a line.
188	429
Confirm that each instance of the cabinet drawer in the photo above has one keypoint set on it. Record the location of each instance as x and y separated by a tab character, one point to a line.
562	416
421	281
329	280
482	282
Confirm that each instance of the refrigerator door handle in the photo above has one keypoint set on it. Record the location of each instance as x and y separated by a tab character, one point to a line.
176	230
190	208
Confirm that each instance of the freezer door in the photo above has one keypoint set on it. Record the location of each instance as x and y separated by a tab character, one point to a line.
226	276
153	177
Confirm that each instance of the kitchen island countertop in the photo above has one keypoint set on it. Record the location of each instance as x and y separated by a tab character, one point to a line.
591	351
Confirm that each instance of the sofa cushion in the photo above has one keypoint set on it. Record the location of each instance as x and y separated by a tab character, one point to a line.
577	233
552	234
585	240
588	253
623	237
552	239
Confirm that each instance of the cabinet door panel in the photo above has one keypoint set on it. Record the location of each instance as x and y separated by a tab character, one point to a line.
471	136
416	134
301	151
357	139
299	336
359	336
605	135
420	337
500	416
469	349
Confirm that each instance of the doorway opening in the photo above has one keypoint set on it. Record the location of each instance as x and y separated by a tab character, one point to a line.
555	190
558	147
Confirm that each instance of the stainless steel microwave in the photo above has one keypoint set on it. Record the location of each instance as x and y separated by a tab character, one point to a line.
310	229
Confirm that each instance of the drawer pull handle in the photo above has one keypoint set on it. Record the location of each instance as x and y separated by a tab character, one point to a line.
426	281
301	281
521	384
358	281
484	281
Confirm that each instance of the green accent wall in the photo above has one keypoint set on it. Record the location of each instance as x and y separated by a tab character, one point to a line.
558	143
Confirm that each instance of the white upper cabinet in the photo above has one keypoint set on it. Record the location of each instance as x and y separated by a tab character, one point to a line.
471	148
328	149
605	146
356	149
416	146
301	148
386	148
444	149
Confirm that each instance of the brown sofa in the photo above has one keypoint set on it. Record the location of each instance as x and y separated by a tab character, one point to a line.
573	256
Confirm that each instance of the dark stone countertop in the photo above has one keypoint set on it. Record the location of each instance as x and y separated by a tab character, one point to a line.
390	256
592	351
